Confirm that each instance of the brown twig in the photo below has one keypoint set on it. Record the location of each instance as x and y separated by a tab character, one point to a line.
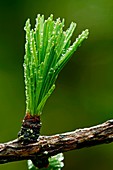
47	146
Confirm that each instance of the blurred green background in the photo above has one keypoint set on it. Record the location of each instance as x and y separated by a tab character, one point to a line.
84	89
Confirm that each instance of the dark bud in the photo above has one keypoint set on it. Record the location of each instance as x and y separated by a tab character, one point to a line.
41	163
30	129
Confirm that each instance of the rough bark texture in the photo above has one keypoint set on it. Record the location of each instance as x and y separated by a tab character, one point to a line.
47	146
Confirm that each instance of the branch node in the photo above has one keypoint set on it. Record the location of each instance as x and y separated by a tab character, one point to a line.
30	129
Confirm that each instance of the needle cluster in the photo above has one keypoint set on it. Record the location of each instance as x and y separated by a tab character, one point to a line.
48	48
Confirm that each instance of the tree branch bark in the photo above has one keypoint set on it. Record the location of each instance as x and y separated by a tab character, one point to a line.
47	146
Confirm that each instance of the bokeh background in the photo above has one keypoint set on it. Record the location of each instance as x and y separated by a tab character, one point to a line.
84	89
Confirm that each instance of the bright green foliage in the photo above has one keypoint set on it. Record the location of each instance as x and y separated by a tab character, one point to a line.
47	50
55	163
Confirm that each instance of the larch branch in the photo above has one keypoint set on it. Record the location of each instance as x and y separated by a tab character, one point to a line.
47	146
